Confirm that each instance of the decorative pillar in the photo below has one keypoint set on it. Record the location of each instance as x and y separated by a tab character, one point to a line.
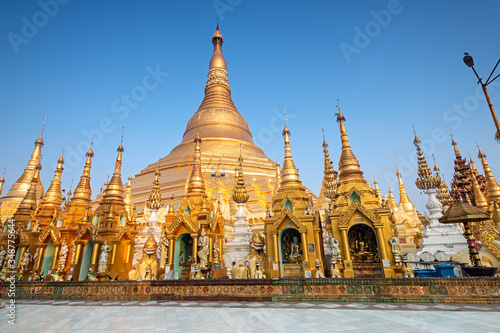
41	253
114	254
95	254
77	253
195	248
170	252
318	248
55	257
21	254
275	247
128	253
210	250
345	245
381	243
305	247
220	241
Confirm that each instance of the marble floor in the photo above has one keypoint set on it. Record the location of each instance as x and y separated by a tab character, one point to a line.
137	316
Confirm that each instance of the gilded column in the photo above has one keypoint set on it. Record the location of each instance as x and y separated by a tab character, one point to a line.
21	254
77	253
41	253
114	254
171	252
345	245
55	256
275	248
381	242
95	254
195	248
210	249
305	248
318	244
128	253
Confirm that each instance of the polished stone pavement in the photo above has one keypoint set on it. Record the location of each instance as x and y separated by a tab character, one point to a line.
171	316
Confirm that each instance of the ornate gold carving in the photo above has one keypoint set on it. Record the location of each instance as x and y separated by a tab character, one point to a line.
357	206
287	213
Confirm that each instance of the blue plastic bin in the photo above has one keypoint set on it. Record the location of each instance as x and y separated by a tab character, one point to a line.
445	270
425	272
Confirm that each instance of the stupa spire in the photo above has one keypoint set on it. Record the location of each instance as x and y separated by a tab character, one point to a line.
196	184
492	188
53	196
114	189
289	173
240	194
277	184
425	179
217	116
127	198
391	201
330	181
2	180
21	186
481	202
155	202
454	144
403	196
348	163
28	205
83	192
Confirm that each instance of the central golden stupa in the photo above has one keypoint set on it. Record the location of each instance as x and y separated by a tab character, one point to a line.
224	133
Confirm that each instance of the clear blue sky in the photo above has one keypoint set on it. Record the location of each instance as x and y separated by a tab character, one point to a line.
293	56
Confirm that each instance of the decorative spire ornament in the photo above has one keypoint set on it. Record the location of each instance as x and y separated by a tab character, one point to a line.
330	182
492	188
289	173
426	180
240	195
155	202
348	163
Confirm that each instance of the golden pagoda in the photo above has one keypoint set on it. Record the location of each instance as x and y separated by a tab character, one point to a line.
492	188
11	201
358	222
51	204
223	131
405	216
293	233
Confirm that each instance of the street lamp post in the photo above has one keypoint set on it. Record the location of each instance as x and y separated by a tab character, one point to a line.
469	61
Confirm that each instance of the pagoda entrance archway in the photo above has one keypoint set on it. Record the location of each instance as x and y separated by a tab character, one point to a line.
183	252
364	250
290	251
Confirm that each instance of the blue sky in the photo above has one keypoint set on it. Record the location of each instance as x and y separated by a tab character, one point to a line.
392	65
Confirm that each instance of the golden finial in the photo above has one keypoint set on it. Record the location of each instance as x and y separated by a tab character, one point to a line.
39	141
120	147
454	144
2	179
425	180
